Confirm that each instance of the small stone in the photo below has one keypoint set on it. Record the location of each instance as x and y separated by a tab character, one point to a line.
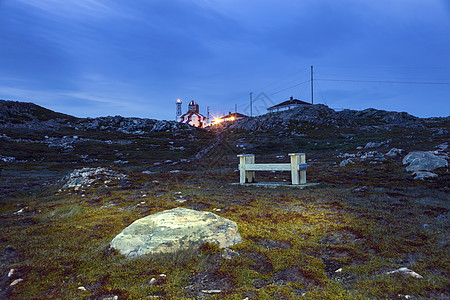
16	282
153	281
11	272
373	145
360	189
18	212
229	254
338	270
346	162
211	291
406	271
82	288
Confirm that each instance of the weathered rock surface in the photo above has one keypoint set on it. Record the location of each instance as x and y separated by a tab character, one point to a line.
175	229
424	161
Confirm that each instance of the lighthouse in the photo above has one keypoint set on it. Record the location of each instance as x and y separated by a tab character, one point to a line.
178	115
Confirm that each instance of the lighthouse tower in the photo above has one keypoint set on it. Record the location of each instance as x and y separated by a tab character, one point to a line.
179	102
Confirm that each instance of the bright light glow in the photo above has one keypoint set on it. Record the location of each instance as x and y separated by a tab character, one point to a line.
178	101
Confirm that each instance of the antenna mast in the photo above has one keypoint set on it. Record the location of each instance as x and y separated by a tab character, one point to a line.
312	86
251	105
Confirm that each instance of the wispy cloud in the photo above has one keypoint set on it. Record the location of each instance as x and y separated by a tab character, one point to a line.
76	9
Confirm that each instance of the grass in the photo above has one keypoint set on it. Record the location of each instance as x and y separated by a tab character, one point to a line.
294	241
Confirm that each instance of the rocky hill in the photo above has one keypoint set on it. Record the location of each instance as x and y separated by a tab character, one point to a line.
322	116
15	114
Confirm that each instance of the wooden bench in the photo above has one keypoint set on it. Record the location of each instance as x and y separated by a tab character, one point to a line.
247	168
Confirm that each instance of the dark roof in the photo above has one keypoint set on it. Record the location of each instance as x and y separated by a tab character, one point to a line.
236	115
290	102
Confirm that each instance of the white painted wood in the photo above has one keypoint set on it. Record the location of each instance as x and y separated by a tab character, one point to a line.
303	172
294	168
298	166
268	167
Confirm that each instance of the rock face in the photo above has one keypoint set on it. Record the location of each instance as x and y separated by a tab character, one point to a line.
175	229
423	161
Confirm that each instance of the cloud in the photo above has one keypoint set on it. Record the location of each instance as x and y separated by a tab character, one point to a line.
75	9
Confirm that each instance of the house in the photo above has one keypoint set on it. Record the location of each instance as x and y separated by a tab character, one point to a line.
231	117
289	104
193	117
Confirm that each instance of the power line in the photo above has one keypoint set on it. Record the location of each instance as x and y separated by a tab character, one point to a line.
304	82
385	81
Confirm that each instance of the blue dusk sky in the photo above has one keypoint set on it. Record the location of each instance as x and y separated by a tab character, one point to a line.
135	58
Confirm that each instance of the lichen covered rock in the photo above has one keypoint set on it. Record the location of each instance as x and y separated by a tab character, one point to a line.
175	229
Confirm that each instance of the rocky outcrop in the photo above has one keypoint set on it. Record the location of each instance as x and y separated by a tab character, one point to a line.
87	177
14	114
128	125
319	114
175	229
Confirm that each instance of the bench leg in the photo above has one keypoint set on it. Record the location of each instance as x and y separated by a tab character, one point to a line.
242	172
303	173
250	175
244	175
294	169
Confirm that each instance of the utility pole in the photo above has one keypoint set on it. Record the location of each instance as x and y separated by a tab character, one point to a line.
235	109
312	86
207	116
251	107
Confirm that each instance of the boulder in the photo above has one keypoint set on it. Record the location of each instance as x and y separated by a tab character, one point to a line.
395	152
424	174
175	229
346	162
373	145
423	161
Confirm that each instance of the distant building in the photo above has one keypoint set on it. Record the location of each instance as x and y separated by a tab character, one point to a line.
233	117
289	104
193	117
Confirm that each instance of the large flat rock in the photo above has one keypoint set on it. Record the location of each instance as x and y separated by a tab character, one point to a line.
175	229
